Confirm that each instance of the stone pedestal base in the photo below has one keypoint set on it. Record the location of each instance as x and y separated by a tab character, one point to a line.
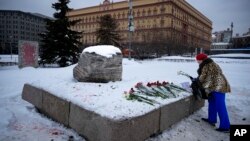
94	127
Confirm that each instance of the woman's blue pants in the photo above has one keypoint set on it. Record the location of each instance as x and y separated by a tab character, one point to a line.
216	104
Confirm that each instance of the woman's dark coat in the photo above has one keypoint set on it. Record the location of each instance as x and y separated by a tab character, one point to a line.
212	78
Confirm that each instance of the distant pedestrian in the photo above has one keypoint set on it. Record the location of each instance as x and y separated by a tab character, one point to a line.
216	86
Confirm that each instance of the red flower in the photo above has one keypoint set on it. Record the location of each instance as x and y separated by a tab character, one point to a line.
131	91
158	83
149	85
139	84
164	83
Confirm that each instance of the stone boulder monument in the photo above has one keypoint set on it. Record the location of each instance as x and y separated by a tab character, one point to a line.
99	64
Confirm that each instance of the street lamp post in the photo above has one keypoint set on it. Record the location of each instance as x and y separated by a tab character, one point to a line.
130	26
10	47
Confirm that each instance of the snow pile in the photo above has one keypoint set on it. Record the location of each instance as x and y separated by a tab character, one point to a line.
104	50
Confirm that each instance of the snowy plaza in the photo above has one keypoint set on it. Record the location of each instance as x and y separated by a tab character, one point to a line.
21	121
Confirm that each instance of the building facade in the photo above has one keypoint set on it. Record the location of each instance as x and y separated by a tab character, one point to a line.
222	39
247	33
241	41
223	36
223	42
18	25
172	20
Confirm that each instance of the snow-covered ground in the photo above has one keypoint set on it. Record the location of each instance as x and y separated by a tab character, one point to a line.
21	122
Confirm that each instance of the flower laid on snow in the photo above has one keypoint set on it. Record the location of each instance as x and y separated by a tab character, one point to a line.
139	86
178	88
133	95
150	91
160	88
153	89
169	89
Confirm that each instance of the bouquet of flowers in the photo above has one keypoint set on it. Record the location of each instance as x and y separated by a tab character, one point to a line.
150	90
153	89
163	88
135	95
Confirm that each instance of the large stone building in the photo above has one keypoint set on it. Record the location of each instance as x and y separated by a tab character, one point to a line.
172	20
17	25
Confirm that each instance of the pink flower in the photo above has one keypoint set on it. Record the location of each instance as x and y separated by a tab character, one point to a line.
131	91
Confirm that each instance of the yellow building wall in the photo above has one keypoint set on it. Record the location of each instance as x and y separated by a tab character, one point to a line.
176	18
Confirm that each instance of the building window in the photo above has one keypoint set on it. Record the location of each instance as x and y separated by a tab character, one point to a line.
143	13
149	12
138	13
123	15
155	11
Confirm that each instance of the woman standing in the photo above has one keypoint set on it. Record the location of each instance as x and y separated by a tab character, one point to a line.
216	86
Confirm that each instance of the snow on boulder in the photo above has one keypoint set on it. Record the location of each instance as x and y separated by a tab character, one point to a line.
99	64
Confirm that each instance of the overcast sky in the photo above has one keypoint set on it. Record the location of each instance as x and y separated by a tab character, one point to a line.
220	12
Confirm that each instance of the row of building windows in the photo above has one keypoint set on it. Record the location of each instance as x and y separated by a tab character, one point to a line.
195	15
28	19
19	16
16	38
151	23
121	15
2	23
180	14
13	27
141	36
177	23
15	32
